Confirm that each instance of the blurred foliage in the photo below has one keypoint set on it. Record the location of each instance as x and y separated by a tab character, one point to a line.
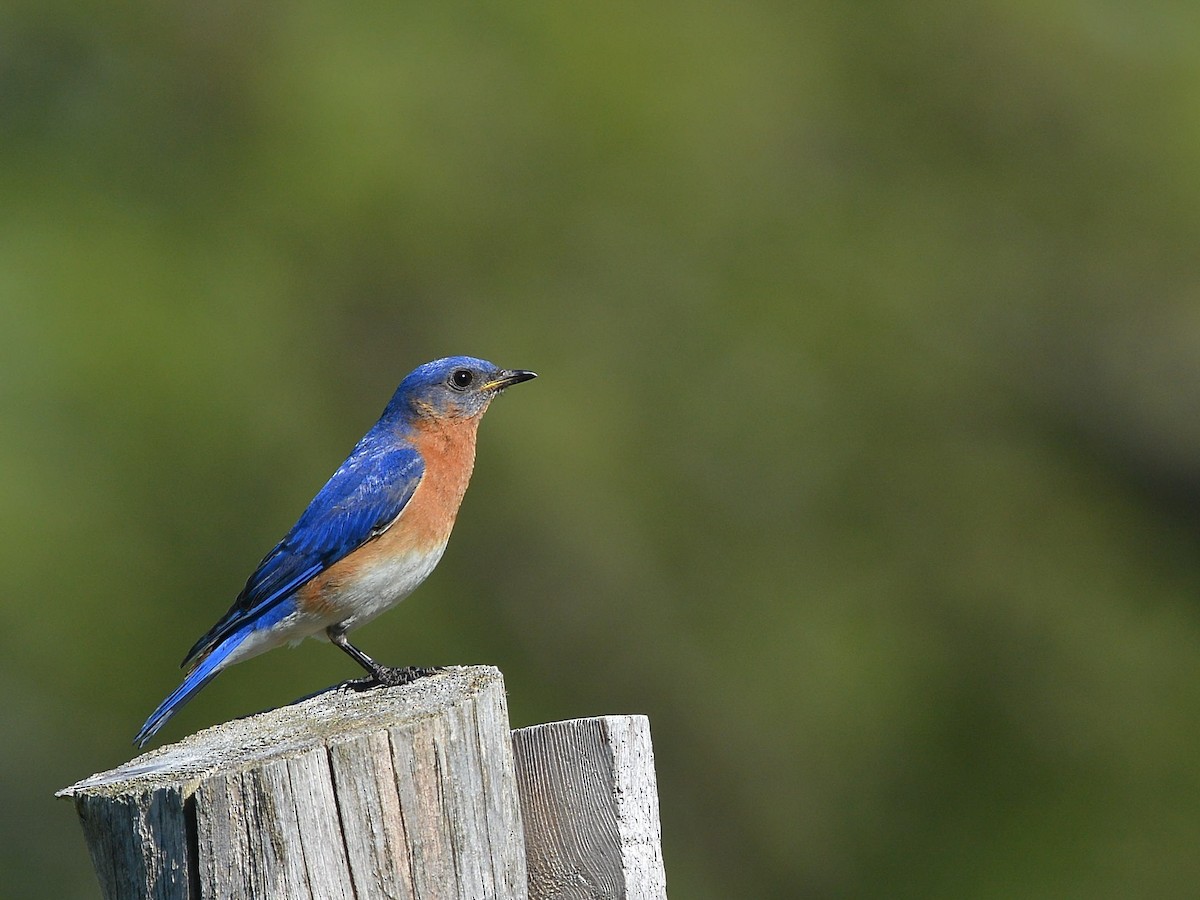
864	459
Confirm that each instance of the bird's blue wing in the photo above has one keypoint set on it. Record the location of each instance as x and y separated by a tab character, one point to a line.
363	497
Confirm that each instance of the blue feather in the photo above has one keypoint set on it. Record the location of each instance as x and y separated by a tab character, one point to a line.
205	670
364	496
196	679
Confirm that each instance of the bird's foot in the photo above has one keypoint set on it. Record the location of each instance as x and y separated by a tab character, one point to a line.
391	676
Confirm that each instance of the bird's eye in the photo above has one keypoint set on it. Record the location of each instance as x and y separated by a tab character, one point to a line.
461	379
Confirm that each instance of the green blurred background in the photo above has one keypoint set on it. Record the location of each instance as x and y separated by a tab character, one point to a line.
865	460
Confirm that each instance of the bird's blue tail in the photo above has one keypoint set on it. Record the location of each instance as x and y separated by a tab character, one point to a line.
196	679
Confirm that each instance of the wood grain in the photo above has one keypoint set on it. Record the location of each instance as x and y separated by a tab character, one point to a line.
589	804
404	792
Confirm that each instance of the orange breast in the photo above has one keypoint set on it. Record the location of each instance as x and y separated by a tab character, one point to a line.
383	571
448	449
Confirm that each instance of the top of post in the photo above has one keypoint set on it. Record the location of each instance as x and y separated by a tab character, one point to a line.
294	728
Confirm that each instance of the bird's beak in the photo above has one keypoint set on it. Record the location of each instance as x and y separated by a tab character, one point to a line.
507	378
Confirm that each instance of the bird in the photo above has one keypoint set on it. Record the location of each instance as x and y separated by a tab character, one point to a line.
370	536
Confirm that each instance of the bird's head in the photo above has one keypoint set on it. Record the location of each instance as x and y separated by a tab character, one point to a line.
457	387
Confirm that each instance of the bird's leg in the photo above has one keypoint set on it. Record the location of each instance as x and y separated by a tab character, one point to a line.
391	676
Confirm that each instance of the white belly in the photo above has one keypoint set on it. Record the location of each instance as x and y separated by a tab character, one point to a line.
380	586
373	590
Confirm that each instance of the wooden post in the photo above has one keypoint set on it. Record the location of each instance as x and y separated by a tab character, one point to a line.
589	803
407	792
404	792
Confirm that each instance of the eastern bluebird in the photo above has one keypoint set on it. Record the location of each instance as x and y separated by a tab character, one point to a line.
371	535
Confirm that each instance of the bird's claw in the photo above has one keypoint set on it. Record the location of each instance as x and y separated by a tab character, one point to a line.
390	676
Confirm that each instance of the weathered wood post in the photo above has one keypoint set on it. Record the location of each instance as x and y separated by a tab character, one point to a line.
407	792
589	800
